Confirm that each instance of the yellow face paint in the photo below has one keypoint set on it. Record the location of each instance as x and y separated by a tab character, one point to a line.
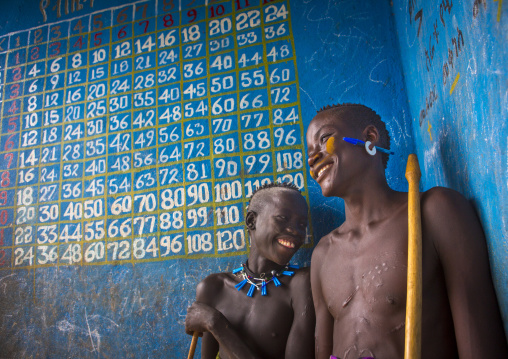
330	145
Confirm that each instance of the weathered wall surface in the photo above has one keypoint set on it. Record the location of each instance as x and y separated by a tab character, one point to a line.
87	303
455	59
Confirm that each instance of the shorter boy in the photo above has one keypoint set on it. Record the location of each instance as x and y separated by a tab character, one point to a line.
264	308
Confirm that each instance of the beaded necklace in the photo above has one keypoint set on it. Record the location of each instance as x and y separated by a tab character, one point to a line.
261	282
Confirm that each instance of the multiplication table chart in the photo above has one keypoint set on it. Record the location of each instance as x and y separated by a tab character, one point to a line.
139	133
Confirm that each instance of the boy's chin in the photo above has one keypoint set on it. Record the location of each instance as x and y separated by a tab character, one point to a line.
280	260
326	193
284	258
328	189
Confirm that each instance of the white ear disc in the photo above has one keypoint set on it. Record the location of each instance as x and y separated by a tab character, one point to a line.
372	151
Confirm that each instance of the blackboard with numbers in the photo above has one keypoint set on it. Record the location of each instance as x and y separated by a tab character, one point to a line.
138	133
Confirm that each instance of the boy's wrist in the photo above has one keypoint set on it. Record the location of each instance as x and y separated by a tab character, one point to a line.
215	321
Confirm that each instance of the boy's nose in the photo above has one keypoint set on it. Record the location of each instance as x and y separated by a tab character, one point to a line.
294	231
313	159
291	230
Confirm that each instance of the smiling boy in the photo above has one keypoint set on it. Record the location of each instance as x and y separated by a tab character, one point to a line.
358	271
264	308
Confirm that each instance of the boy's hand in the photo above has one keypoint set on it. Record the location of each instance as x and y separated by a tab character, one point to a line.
201	318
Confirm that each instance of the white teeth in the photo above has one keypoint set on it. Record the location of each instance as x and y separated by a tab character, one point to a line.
322	169
286	243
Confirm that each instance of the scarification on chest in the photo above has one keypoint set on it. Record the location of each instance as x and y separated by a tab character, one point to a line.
377	285
348	299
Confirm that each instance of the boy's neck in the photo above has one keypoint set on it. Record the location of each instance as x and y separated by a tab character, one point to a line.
370	202
259	264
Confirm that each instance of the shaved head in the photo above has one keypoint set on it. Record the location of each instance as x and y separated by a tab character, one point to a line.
361	116
260	195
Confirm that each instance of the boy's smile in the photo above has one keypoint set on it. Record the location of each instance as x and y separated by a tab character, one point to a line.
321	170
286	242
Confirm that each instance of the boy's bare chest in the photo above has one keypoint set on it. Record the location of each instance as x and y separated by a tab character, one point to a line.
264	322
366	277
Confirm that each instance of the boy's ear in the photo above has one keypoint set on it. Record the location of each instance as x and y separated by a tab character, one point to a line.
370	133
250	220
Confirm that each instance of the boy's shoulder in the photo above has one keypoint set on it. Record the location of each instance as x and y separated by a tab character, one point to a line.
213	285
300	290
441	196
449	221
301	280
324	245
443	206
302	274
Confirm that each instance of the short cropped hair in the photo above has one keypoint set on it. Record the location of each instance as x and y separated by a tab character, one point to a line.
362	116
256	202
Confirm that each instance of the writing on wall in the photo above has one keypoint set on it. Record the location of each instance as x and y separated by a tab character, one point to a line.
63	7
428	49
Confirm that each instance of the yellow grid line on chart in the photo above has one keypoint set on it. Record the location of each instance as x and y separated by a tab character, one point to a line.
212	205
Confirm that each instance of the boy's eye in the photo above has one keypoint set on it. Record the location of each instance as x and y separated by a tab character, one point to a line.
324	138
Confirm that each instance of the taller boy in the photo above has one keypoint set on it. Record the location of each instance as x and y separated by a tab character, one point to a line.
358	271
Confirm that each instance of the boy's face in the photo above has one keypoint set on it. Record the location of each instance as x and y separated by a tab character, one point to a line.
329	156
280	227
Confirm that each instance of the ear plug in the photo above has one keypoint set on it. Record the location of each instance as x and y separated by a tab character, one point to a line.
355	141
370	151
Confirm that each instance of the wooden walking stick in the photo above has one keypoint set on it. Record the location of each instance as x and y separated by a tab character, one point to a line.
413	341
193	345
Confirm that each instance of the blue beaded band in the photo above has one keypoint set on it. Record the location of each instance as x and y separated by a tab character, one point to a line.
261	283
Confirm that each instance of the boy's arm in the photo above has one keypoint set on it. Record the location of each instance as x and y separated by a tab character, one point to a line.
209	346
218	332
197	319
324	321
450	221
300	342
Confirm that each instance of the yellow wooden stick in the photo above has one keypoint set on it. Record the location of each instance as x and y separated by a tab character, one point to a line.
193	345
413	342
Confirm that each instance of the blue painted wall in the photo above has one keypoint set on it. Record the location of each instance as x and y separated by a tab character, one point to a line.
346	51
455	59
352	57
